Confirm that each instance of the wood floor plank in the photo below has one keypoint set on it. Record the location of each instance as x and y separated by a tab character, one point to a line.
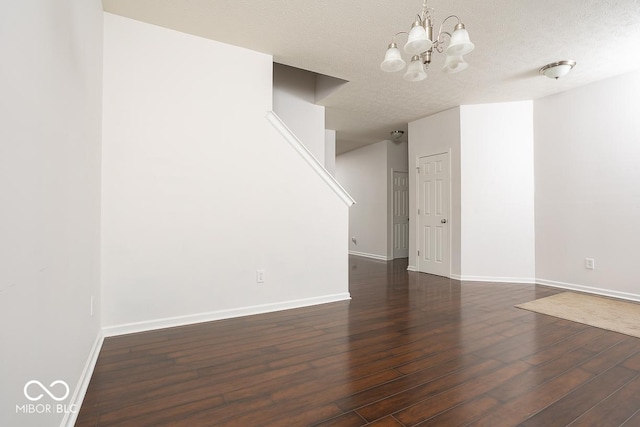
291	413
407	349
609	339
613	355
462	414
633	420
615	409
385	422
468	390
519	409
572	406
559	349
127	414
350	419
633	362
114	394
523	345
410	382
335	388
537	376
211	416
398	401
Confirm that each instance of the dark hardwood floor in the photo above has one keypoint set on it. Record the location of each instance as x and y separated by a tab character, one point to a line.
408	349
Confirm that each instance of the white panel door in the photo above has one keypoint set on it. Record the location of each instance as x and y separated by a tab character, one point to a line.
400	215
433	215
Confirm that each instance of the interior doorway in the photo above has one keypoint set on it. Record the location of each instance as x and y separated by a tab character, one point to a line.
400	214
433	215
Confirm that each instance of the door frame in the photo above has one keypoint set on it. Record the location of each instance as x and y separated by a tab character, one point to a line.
417	204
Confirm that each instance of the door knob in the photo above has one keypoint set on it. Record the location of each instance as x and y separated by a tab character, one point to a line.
444	221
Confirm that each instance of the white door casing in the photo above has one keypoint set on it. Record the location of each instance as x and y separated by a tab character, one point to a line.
433	215
400	215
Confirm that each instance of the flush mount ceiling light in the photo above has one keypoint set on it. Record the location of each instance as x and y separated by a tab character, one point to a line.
555	70
421	44
397	134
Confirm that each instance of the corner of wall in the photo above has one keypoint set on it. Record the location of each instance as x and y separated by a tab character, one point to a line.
430	135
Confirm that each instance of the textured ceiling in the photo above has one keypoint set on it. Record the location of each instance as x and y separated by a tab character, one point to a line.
347	39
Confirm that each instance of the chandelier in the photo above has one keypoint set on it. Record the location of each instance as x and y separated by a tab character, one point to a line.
421	44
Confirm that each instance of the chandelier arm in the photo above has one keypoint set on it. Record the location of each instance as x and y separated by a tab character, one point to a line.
442	34
393	39
445	20
400	32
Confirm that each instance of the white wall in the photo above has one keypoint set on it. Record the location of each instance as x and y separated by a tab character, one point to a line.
330	151
200	191
439	133
50	197
366	173
497	200
587	152
363	173
294	96
491	219
397	156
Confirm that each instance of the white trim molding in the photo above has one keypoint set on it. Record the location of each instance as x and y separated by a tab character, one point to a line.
589	289
80	390
189	319
372	256
497	279
293	140
545	282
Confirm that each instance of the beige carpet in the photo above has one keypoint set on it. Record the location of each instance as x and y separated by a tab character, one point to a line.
601	312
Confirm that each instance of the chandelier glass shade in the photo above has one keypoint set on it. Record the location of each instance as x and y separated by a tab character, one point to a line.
418	40
421	44
454	64
460	43
415	70
392	59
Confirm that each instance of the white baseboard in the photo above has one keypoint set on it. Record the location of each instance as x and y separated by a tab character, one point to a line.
372	256
412	268
171	322
497	279
80	390
552	283
589	289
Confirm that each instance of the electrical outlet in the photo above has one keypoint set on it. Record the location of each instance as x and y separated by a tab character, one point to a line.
589	263
259	276
353	239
